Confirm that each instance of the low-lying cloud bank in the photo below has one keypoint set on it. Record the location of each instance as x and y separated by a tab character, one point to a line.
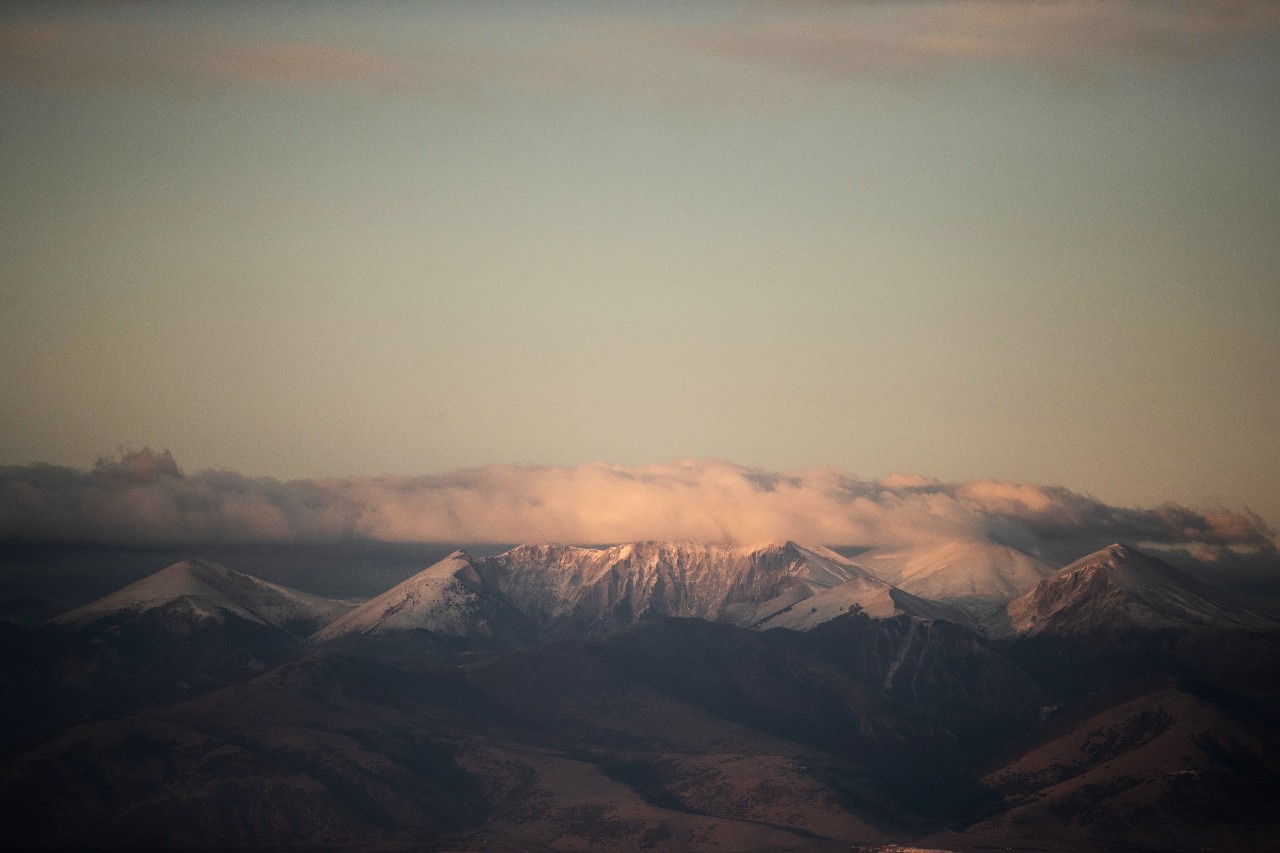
144	498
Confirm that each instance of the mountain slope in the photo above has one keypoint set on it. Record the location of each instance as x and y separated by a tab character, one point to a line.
1121	586
666	734
29	610
1162	765
968	572
449	597
179	632
1118	614
865	594
675	734
209	590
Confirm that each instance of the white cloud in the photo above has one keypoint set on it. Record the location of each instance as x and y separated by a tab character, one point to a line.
144	498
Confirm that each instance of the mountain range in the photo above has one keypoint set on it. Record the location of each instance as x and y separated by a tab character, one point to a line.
654	695
564	591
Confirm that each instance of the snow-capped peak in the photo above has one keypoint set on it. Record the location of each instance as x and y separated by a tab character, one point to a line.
211	589
442	597
1121	583
959	571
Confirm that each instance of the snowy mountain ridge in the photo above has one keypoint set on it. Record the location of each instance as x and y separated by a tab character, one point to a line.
566	590
552	590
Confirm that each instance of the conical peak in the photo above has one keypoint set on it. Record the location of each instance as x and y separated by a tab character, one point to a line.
213	587
444	597
1116	554
204	567
202	576
192	570
446	567
1123	585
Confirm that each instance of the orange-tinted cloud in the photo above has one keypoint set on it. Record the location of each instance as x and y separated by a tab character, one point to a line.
644	55
83	56
143	498
853	39
298	64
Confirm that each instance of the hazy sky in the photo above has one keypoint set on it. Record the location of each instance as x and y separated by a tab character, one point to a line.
1034	241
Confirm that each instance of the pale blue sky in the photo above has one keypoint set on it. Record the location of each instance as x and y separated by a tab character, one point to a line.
1033	241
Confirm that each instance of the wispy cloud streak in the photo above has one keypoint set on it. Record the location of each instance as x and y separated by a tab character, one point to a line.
74	55
643	54
844	39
